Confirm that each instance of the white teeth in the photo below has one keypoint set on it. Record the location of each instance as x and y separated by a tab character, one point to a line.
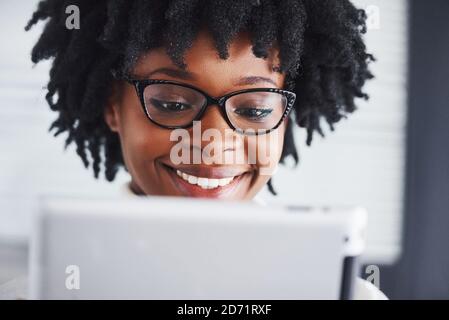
223	182
192	180
213	183
205	183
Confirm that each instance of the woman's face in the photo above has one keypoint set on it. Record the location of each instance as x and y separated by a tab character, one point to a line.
234	169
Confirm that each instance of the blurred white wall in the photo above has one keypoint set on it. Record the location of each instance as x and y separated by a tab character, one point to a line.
362	163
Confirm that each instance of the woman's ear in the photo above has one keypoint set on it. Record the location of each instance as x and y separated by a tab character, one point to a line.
111	117
111	111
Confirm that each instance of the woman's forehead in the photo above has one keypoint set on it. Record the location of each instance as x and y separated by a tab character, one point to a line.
202	60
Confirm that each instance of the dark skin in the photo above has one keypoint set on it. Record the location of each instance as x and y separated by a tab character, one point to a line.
146	146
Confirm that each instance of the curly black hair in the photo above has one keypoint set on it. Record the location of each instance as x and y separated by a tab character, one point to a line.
322	53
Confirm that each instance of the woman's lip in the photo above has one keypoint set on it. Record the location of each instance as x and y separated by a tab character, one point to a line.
209	171
194	190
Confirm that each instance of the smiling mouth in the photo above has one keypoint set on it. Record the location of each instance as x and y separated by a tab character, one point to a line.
206	181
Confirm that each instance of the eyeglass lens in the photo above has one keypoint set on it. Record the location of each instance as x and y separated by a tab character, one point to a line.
175	106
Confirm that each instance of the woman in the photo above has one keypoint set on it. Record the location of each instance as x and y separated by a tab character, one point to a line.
198	98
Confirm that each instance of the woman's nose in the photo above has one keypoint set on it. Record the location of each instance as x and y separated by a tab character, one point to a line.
213	118
217	135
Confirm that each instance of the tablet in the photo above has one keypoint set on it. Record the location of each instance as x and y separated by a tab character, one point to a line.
185	248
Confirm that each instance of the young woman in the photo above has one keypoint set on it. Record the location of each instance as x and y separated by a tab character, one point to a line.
141	84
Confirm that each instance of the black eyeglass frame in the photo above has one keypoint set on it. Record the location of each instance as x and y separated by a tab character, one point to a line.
141	84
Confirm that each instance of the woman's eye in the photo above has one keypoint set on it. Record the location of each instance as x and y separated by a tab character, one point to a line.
253	113
170	106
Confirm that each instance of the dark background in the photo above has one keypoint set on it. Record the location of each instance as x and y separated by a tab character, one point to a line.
423	270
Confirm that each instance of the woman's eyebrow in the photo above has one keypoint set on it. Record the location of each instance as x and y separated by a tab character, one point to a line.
186	75
175	73
253	80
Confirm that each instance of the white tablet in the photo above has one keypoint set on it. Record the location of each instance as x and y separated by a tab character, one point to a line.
184	248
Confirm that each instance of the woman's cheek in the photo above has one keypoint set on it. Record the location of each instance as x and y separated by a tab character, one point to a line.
143	142
267	149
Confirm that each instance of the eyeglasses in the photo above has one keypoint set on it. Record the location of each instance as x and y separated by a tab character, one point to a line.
175	105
